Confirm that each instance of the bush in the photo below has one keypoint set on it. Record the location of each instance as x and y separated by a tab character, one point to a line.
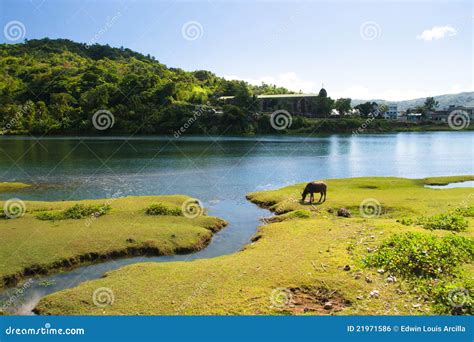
453	298
452	221
465	211
75	212
415	254
163	209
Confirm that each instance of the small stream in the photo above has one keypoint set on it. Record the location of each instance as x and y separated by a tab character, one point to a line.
242	226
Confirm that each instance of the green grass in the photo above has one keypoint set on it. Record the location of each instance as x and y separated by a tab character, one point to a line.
293	266
73	234
76	212
4	186
447	179
163	209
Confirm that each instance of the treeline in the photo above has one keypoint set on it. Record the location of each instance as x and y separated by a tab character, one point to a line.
55	87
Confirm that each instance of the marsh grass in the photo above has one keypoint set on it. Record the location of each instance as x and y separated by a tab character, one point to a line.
163	209
76	212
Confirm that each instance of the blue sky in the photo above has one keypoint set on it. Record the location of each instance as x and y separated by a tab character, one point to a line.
360	49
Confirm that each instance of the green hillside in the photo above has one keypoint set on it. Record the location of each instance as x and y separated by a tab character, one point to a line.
55	86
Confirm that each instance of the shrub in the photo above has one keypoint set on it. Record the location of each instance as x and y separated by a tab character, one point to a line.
76	212
452	221
453	298
465	211
415	254
163	209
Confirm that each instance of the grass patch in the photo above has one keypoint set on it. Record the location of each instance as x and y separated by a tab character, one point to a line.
447	179
11	186
163	209
30	246
421	255
450	221
296	214
76	212
453	221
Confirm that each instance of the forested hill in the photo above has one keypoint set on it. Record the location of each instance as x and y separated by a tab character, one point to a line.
56	86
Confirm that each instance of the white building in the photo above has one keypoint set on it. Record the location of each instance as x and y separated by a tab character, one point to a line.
392	112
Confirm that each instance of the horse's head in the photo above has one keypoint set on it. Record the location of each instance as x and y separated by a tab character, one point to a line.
303	195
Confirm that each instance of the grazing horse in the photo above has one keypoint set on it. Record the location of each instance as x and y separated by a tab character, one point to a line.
314	187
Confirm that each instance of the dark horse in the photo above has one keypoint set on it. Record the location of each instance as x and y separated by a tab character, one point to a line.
314	187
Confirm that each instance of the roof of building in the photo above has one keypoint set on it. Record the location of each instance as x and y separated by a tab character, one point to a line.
276	96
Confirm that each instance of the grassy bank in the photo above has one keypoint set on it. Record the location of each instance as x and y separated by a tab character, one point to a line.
310	262
5	186
51	236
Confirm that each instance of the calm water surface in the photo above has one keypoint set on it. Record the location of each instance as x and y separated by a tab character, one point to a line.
218	171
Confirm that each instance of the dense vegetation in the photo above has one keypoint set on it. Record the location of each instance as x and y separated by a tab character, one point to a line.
55	86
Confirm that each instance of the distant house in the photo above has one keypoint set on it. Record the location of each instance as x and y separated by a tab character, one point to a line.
414	117
443	114
392	112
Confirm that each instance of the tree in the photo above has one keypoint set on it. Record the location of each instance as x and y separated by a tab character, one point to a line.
367	108
343	105
430	104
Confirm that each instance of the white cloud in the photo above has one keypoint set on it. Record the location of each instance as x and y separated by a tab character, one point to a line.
437	32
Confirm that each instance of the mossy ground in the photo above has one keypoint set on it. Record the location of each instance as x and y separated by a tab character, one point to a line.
6	186
293	267
30	246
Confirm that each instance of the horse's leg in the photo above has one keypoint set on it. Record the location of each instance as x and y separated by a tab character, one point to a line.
320	197
311	198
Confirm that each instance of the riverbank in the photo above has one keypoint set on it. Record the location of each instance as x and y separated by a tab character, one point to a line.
312	262
47	237
299	126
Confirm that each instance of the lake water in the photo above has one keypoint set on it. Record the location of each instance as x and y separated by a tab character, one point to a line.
218	171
